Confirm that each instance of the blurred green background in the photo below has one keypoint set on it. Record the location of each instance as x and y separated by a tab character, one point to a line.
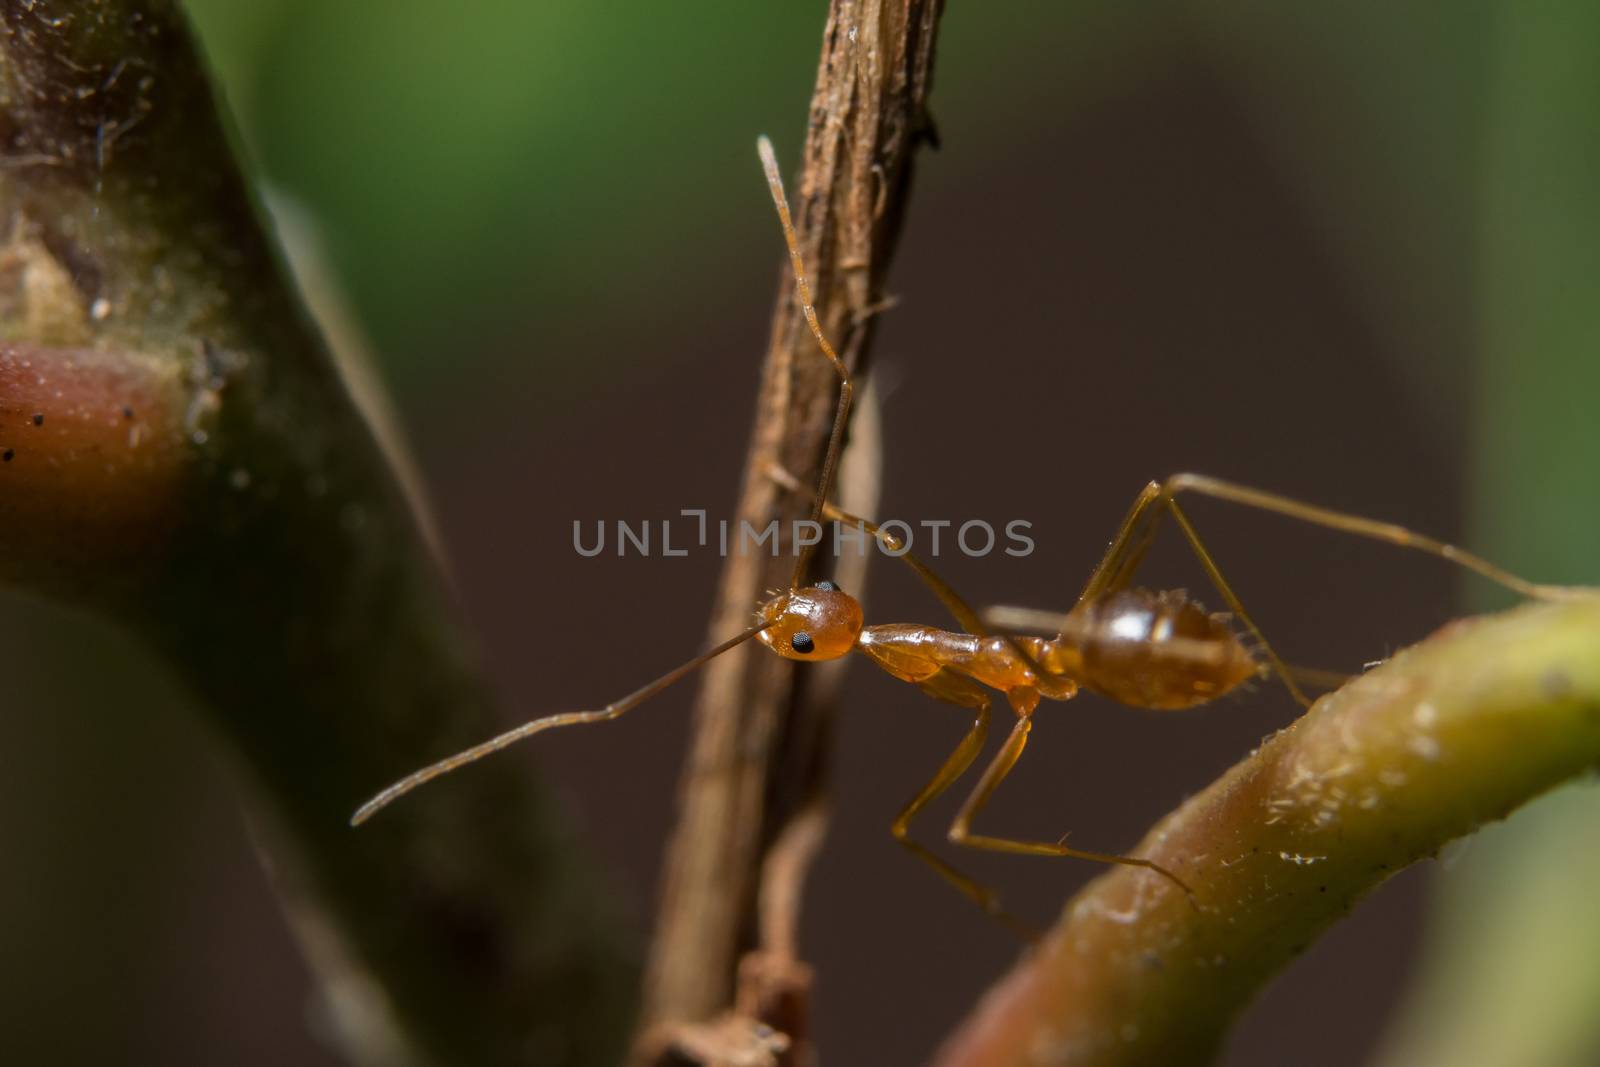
1348	252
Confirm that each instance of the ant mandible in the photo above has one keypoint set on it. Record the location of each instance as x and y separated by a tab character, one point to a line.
1147	649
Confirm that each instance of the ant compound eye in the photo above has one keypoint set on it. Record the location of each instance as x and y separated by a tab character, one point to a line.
802	643
827	586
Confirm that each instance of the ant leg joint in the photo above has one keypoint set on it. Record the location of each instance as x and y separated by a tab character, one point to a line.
1177	483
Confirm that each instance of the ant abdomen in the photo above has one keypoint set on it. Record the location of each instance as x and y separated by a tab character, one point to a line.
1157	650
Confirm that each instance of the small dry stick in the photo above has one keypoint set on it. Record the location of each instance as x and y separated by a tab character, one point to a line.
756	757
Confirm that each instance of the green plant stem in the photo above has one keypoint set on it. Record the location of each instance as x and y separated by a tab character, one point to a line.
258	540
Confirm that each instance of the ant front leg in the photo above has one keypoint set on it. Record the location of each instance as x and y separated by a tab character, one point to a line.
969	620
952	600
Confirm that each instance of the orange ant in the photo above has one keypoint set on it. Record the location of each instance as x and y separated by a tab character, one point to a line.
1157	650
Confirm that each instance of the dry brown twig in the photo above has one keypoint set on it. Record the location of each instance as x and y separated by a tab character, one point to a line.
757	759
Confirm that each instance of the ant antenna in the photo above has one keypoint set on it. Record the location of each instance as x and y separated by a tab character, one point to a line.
769	163
528	729
611	711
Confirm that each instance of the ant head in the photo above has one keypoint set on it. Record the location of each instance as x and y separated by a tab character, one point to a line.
815	623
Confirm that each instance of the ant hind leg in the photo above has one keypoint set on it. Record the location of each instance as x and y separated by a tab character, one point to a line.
1128	548
1388	532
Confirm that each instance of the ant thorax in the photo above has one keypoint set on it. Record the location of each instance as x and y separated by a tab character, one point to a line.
816	622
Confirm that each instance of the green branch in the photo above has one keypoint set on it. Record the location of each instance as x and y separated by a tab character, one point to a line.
1446	736
185	458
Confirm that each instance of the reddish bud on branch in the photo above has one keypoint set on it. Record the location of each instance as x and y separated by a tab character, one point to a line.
92	447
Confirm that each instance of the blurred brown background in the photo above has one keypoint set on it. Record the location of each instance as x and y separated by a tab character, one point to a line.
1267	246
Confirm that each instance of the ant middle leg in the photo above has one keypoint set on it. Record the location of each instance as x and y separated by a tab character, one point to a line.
954	689
960	832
